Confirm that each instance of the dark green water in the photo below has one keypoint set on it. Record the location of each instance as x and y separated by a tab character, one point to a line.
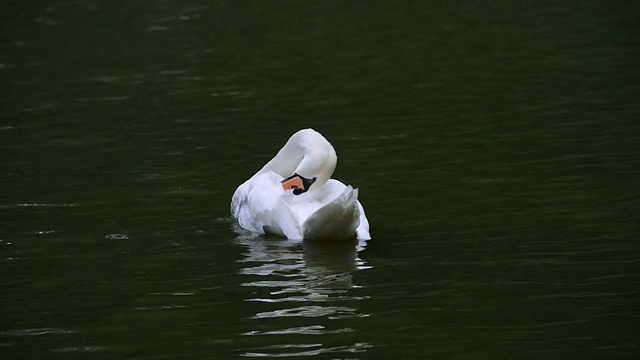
495	147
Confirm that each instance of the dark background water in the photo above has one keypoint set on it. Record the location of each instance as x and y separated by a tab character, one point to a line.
495	147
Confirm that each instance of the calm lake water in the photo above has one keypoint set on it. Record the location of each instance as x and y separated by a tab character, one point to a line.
495	147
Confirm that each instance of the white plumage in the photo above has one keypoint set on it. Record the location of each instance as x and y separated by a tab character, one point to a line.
327	209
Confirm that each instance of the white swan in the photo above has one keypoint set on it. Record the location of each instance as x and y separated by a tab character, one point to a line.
294	196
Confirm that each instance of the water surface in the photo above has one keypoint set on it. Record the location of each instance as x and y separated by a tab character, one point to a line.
495	148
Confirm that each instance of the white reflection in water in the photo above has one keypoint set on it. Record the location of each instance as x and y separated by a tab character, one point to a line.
302	291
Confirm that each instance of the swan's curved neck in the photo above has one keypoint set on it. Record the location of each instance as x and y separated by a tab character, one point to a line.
306	153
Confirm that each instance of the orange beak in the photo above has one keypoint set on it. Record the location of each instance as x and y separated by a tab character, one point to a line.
297	183
293	183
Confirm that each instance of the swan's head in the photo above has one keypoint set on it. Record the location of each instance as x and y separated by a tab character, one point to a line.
306	162
298	183
317	164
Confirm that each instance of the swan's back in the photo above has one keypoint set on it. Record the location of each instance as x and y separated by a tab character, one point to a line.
336	220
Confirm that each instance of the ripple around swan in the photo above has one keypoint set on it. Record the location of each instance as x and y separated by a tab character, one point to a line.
302	330
314	349
300	290
308	311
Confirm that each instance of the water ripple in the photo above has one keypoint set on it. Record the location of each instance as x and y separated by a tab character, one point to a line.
303	330
307	311
355	348
34	332
311	286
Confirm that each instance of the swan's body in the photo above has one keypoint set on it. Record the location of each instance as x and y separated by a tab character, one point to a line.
327	209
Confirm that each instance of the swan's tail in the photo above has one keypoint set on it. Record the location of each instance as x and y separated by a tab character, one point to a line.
337	220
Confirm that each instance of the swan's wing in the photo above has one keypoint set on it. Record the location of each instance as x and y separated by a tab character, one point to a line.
362	232
284	222
259	207
336	220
